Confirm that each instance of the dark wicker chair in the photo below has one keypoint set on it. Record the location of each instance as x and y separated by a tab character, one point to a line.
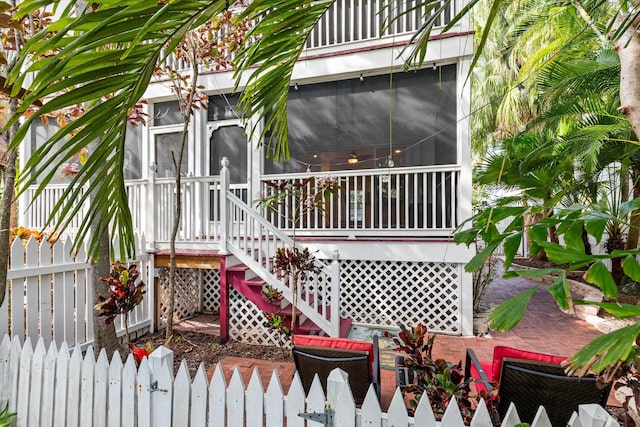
532	383
330	353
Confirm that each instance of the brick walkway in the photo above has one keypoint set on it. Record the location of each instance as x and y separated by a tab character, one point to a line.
544	328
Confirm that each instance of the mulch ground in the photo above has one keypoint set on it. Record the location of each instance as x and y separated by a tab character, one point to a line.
198	348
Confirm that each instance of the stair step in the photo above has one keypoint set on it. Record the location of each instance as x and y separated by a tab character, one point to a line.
255	283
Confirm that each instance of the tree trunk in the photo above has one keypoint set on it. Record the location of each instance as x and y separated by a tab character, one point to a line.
634	220
7	201
628	49
104	335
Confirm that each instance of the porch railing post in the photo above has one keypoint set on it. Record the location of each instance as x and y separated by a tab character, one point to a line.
224	213
335	294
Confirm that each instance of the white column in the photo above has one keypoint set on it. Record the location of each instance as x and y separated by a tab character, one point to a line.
464	196
224	209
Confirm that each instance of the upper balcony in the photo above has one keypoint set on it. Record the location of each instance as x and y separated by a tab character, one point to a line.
351	25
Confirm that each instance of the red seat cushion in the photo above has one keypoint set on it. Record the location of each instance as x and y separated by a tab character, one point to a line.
500	352
341	343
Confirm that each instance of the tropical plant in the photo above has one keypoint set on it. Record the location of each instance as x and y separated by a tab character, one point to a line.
125	293
438	379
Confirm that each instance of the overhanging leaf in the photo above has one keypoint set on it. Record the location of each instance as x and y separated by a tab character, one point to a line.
480	258
560	291
631	268
605	351
619	310
511	246
507	315
599	275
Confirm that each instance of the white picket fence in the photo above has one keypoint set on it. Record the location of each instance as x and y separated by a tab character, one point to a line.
53	388
50	294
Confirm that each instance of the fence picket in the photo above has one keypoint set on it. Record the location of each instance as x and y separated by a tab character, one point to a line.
274	407
14	367
101	390
452	414
144	394
181	390
397	413
62	379
217	398
114	397
162	398
315	399
73	400
83	299
46	332
199	391
235	400
58	294
255	400
5	369
294	404
17	290
481	417
370	413
128	416
32	307
344	406
35	386
541	419
86	387
49	387
26	356
69	299
511	418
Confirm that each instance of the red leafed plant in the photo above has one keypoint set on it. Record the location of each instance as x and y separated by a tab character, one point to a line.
125	292
438	379
140	353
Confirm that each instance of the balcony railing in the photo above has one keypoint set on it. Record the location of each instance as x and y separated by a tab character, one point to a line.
357	20
416	201
349	21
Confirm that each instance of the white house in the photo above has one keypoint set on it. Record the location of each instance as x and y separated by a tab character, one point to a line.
400	143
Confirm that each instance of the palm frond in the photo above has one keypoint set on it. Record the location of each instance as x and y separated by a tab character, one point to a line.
105	59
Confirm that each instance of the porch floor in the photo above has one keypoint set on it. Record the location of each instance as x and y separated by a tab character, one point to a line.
544	328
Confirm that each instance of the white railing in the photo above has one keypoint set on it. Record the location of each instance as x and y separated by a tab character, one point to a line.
348	21
36	213
357	20
254	241
50	387
200	222
50	294
419	200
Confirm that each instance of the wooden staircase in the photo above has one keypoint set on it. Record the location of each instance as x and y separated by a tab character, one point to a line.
245	281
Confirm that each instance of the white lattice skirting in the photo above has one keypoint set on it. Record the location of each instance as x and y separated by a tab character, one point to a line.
411	293
382	293
196	290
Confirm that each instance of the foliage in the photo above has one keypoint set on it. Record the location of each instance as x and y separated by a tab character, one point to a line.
7	419
288	261
482	278
24	234
140	353
125	293
271	294
438	379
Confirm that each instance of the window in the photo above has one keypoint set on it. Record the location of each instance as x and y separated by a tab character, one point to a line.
330	122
